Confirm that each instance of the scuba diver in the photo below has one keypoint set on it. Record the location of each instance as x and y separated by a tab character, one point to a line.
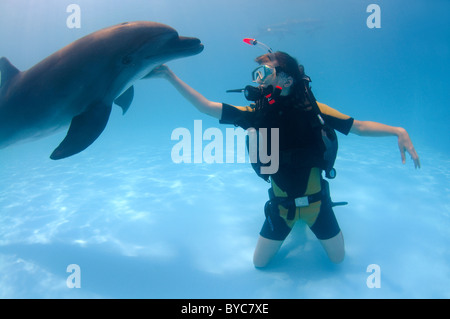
298	191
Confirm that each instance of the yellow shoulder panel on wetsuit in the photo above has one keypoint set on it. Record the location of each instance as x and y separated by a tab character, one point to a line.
325	109
244	108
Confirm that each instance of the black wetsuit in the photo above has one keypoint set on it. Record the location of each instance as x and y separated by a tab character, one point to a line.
294	178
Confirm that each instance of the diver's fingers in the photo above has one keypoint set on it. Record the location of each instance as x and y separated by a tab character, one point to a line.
402	153
159	71
413	154
415	158
417	162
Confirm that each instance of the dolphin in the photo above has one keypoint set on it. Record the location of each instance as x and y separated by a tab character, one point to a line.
78	84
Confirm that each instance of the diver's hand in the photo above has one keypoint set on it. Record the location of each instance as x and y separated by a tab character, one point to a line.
405	145
161	71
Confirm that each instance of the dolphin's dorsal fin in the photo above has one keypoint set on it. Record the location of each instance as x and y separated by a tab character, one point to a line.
7	71
83	131
125	99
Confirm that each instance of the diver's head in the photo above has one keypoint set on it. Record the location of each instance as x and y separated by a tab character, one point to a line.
278	69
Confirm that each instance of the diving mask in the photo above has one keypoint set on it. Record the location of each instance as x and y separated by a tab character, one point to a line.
262	73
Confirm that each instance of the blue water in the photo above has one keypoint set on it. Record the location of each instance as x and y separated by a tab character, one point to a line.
141	226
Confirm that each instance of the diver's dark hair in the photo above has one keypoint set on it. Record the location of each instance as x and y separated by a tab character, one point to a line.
289	66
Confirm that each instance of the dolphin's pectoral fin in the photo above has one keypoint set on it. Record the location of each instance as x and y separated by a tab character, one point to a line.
83	131
124	100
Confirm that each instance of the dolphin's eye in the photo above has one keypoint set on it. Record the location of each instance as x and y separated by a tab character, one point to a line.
126	60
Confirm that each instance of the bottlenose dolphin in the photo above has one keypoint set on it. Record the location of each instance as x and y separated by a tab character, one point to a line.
78	84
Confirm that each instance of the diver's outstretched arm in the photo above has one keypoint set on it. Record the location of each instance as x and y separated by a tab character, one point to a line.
204	105
368	128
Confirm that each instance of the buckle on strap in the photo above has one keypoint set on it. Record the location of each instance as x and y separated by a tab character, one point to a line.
292	203
302	201
305	201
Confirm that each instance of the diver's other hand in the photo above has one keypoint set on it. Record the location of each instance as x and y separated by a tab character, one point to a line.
161	71
405	145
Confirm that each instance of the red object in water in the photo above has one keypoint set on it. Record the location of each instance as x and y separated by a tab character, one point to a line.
250	41
255	42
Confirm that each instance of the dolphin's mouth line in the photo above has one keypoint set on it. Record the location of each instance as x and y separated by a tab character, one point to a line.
180	45
192	50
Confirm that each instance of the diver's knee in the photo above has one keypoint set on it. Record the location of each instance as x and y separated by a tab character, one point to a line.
336	255
260	262
259	265
265	250
337	258
335	248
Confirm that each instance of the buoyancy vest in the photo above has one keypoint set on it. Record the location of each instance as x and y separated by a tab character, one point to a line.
305	139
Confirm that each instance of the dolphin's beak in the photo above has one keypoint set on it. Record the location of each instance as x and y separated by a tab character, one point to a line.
178	47
189	46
